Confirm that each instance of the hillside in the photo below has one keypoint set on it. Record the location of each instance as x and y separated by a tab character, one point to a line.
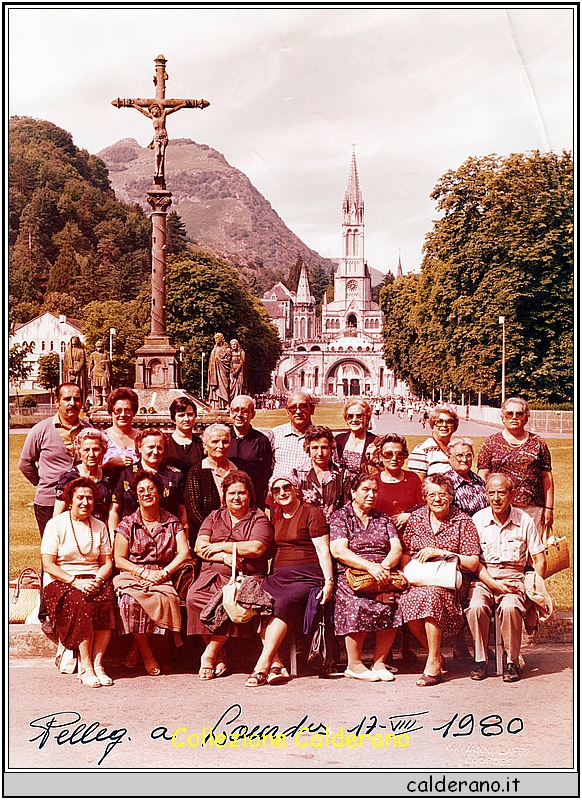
217	203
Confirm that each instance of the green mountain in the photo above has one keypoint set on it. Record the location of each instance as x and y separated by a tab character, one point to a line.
217	203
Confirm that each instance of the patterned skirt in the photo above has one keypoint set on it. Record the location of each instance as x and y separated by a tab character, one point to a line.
443	605
77	616
357	613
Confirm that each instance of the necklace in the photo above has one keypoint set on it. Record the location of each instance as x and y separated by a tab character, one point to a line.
81	553
150	524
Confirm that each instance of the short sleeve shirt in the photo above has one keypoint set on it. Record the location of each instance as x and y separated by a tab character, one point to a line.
428	457
524	464
293	537
58	540
509	543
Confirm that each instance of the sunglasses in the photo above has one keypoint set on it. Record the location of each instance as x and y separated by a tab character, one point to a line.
299	407
354	416
392	454
286	487
441	422
516	414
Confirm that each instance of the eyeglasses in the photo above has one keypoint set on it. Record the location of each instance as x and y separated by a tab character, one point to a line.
146	492
244	411
516	414
299	407
462	456
437	496
354	416
119	412
440	422
286	487
393	454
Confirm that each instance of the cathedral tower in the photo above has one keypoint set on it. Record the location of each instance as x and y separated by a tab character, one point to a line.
351	280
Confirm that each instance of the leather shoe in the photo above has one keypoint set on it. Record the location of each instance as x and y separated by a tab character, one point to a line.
479	671
511	672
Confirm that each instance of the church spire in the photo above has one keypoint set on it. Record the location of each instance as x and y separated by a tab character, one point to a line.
353	205
399	270
303	291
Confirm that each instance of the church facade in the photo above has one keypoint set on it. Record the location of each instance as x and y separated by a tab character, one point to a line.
341	353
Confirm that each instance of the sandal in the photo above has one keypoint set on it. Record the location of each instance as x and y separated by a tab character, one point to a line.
206	673
104	678
277	675
429	680
133	657
153	668
256	679
221	666
88	678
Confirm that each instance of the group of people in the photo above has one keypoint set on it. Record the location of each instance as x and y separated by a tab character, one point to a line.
145	505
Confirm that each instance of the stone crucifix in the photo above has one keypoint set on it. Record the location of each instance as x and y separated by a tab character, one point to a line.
157	109
157	363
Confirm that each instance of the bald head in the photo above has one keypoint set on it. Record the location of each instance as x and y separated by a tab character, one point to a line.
242	411
498	490
299	410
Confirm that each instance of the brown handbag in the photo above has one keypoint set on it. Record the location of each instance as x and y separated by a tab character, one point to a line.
557	553
361	582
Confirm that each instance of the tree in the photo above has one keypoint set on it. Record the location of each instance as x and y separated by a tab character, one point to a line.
130	320
292	281
49	371
503	246
176	234
206	296
318	282
18	367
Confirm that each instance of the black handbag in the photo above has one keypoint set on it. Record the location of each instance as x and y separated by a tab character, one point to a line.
321	656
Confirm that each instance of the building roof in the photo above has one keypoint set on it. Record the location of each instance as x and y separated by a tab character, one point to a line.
74	323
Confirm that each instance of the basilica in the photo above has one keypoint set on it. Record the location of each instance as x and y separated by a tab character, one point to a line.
341	353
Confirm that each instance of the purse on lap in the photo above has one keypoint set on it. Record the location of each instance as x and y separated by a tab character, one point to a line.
235	611
441	572
361	582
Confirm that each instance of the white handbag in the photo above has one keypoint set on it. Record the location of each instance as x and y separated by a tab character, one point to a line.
439	572
236	612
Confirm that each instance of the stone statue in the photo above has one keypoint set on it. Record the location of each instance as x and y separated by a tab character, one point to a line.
100	374
75	365
157	113
219	373
238	369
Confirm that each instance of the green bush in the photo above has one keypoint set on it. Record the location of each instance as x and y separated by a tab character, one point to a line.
28	402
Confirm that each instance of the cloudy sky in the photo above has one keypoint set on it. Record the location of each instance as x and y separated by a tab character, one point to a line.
418	90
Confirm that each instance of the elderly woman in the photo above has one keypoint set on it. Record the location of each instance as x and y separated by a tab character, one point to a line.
76	560
470	494
322	484
399	490
90	447
150	444
437	530
150	546
431	456
525	457
364	538
122	404
302	563
240	521
203	489
183	446
353	445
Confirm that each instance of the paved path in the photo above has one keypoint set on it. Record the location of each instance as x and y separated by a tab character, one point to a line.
389	423
140	708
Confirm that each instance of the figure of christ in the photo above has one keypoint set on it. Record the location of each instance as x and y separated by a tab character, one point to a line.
158	113
238	369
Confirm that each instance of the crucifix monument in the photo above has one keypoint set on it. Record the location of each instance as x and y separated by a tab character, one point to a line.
158	365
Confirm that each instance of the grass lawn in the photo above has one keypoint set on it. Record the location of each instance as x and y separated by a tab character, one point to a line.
24	538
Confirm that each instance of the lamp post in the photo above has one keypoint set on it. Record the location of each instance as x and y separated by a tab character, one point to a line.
202	376
502	323
62	320
112	333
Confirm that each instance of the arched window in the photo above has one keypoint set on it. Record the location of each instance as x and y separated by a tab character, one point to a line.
303	330
52	347
63	347
315	377
43	346
302	378
32	346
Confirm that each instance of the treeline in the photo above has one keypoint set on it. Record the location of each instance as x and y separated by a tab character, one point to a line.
503	247
74	249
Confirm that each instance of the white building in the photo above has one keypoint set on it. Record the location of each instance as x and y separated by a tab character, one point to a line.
341	354
47	333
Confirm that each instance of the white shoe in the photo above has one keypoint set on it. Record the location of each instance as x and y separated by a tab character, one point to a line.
367	675
383	674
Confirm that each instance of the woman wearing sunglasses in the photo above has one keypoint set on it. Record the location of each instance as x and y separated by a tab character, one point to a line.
302	562
431	457
354	445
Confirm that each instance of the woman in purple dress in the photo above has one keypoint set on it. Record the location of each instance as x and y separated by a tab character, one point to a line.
364	538
437	530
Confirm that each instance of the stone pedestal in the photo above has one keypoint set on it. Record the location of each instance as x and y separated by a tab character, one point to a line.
158	364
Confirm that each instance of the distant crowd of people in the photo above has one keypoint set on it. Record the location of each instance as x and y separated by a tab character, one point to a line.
311	518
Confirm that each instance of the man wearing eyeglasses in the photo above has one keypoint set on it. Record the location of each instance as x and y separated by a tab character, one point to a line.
250	449
287	439
525	457
507	536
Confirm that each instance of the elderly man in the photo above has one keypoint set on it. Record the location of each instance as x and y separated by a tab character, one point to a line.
250	449
287	440
507	535
526	458
47	453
